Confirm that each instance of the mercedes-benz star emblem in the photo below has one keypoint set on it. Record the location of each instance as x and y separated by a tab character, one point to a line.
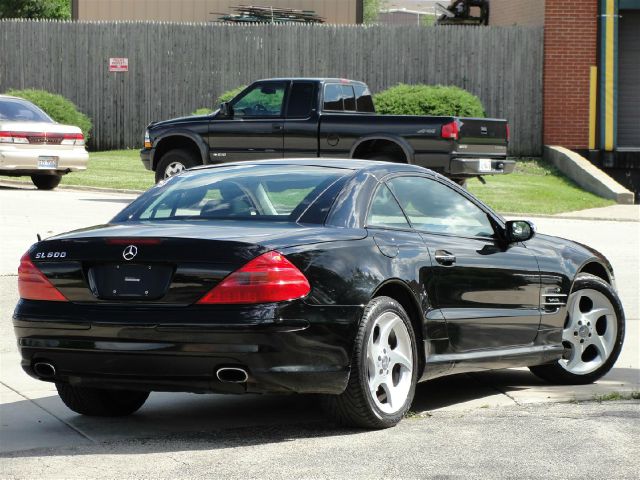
130	252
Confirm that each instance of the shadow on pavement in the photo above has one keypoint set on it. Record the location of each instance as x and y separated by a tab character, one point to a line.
224	421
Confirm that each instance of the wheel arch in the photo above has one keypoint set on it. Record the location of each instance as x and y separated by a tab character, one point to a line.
597	269
179	140
369	144
402	293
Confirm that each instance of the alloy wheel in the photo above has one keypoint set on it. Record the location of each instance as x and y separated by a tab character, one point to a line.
174	168
390	363
589	333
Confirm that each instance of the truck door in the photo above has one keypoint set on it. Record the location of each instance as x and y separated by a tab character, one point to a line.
255	130
301	124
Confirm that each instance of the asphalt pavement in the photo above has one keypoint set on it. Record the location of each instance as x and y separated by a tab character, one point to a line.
505	423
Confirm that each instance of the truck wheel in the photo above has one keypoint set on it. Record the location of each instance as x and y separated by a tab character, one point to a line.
173	162
461	181
46	182
100	402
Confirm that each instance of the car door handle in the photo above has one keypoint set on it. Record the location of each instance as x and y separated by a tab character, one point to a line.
277	126
445	258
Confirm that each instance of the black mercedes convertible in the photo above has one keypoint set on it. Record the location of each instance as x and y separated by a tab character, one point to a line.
353	279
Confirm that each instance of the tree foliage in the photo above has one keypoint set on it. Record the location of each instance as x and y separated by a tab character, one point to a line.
36	9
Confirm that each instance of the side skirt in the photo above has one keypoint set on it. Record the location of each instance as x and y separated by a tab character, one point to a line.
481	360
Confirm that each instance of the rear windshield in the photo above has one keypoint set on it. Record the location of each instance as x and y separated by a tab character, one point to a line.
253	192
21	111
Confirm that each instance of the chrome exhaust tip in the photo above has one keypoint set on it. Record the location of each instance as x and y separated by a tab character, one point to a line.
232	375
44	369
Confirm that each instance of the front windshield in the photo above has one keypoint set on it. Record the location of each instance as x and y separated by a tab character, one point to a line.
14	110
252	192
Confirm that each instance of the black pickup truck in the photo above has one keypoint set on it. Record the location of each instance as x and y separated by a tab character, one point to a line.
324	117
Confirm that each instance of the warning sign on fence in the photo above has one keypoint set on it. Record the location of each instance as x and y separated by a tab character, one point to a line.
118	64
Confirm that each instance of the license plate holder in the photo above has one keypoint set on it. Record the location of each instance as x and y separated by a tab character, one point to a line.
47	163
130	281
484	165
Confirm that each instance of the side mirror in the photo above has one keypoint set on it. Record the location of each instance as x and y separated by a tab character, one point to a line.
226	110
520	230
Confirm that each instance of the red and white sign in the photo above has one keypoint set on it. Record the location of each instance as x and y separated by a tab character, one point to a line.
119	64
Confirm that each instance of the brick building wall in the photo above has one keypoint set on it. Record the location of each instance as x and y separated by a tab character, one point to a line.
570	44
516	12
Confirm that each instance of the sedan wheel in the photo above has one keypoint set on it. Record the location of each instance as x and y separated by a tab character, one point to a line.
384	369
592	336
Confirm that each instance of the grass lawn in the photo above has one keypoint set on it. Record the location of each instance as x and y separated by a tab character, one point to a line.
534	187
113	169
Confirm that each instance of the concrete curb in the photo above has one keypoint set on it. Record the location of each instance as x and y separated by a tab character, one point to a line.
587	175
83	188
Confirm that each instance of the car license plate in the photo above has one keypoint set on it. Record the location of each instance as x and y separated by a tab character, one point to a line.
485	165
47	162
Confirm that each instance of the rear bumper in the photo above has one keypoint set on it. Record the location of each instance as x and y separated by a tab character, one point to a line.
14	159
279	356
472	167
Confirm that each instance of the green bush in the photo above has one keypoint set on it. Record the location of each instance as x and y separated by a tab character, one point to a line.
202	111
57	107
428	100
229	94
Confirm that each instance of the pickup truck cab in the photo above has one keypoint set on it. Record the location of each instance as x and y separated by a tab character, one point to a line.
324	117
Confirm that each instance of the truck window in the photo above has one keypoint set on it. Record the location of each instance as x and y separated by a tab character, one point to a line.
333	97
301	100
348	98
363	99
263	100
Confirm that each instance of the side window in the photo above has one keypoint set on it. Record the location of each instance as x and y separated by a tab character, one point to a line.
333	97
434	207
364	102
348	98
301	100
264	100
385	211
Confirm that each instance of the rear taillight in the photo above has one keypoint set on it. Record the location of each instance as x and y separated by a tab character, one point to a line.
33	285
72	139
43	138
265	279
13	137
508	133
450	130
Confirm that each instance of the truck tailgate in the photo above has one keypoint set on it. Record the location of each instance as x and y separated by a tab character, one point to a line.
480	136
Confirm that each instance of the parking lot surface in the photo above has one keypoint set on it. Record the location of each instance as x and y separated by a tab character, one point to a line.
460	422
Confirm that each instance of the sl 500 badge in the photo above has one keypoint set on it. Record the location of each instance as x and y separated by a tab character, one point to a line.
51	254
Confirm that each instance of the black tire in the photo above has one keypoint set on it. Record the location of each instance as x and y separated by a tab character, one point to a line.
99	402
177	157
461	182
555	372
355	406
46	182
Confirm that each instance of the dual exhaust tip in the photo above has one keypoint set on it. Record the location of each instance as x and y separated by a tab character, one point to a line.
44	369
224	374
232	375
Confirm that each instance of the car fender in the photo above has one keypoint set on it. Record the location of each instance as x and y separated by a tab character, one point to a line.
184	133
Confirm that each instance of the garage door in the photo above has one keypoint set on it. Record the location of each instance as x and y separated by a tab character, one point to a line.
629	79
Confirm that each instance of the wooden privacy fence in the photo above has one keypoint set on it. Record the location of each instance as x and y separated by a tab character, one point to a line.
176	68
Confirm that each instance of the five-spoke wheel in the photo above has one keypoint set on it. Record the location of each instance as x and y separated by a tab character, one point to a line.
384	369
592	335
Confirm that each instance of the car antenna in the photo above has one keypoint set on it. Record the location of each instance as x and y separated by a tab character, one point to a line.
39	237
